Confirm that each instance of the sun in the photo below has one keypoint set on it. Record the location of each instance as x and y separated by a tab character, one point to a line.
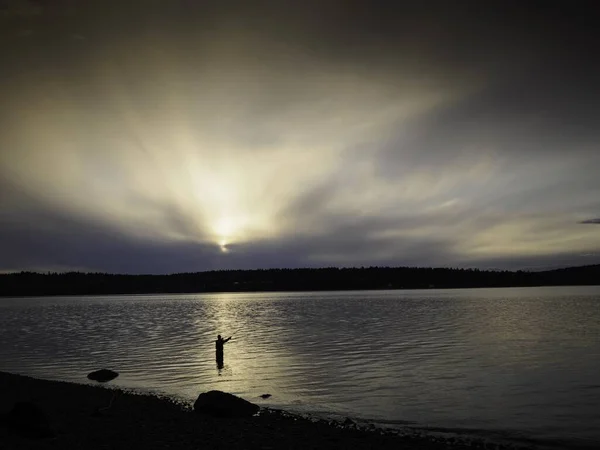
226	230
235	226
223	246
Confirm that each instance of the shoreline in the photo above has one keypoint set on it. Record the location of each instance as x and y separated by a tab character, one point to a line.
150	421
290	291
17	284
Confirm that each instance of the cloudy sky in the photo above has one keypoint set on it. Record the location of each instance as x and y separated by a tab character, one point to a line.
163	136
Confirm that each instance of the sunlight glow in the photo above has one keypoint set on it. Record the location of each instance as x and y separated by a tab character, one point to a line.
223	246
227	229
225	157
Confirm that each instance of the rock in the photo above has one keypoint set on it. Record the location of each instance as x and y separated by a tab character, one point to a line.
28	420
102	375
265	396
222	404
348	422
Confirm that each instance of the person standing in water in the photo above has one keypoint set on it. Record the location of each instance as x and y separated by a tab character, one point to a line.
219	347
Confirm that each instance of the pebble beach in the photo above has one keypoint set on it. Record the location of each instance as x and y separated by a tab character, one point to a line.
150	422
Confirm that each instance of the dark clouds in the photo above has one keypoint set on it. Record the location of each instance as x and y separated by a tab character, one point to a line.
48	240
138	136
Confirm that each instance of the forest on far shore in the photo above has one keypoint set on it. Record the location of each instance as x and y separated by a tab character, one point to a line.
324	279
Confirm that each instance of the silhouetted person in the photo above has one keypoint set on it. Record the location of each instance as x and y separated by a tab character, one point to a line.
219	348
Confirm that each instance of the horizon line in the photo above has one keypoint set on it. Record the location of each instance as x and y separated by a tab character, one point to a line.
50	272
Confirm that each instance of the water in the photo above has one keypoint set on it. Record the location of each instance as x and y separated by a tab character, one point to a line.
524	362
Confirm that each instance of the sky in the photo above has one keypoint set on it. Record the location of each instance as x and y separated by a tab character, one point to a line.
165	136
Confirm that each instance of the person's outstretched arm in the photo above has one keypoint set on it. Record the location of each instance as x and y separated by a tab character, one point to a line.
227	339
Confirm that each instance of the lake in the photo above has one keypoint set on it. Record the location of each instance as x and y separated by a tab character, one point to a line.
516	364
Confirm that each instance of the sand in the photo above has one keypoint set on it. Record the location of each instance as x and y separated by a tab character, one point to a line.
148	422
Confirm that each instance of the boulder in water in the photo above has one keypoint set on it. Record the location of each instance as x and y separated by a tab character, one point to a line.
222	404
28	420
102	375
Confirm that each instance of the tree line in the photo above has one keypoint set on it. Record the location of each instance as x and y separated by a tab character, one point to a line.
363	278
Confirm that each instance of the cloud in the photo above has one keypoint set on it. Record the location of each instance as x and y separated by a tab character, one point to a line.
323	134
19	9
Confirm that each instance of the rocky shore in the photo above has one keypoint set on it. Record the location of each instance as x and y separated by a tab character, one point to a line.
71	420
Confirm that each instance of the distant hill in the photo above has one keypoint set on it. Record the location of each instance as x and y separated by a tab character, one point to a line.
77	283
582	275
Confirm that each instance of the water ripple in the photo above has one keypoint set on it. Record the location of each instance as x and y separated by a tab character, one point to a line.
505	359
